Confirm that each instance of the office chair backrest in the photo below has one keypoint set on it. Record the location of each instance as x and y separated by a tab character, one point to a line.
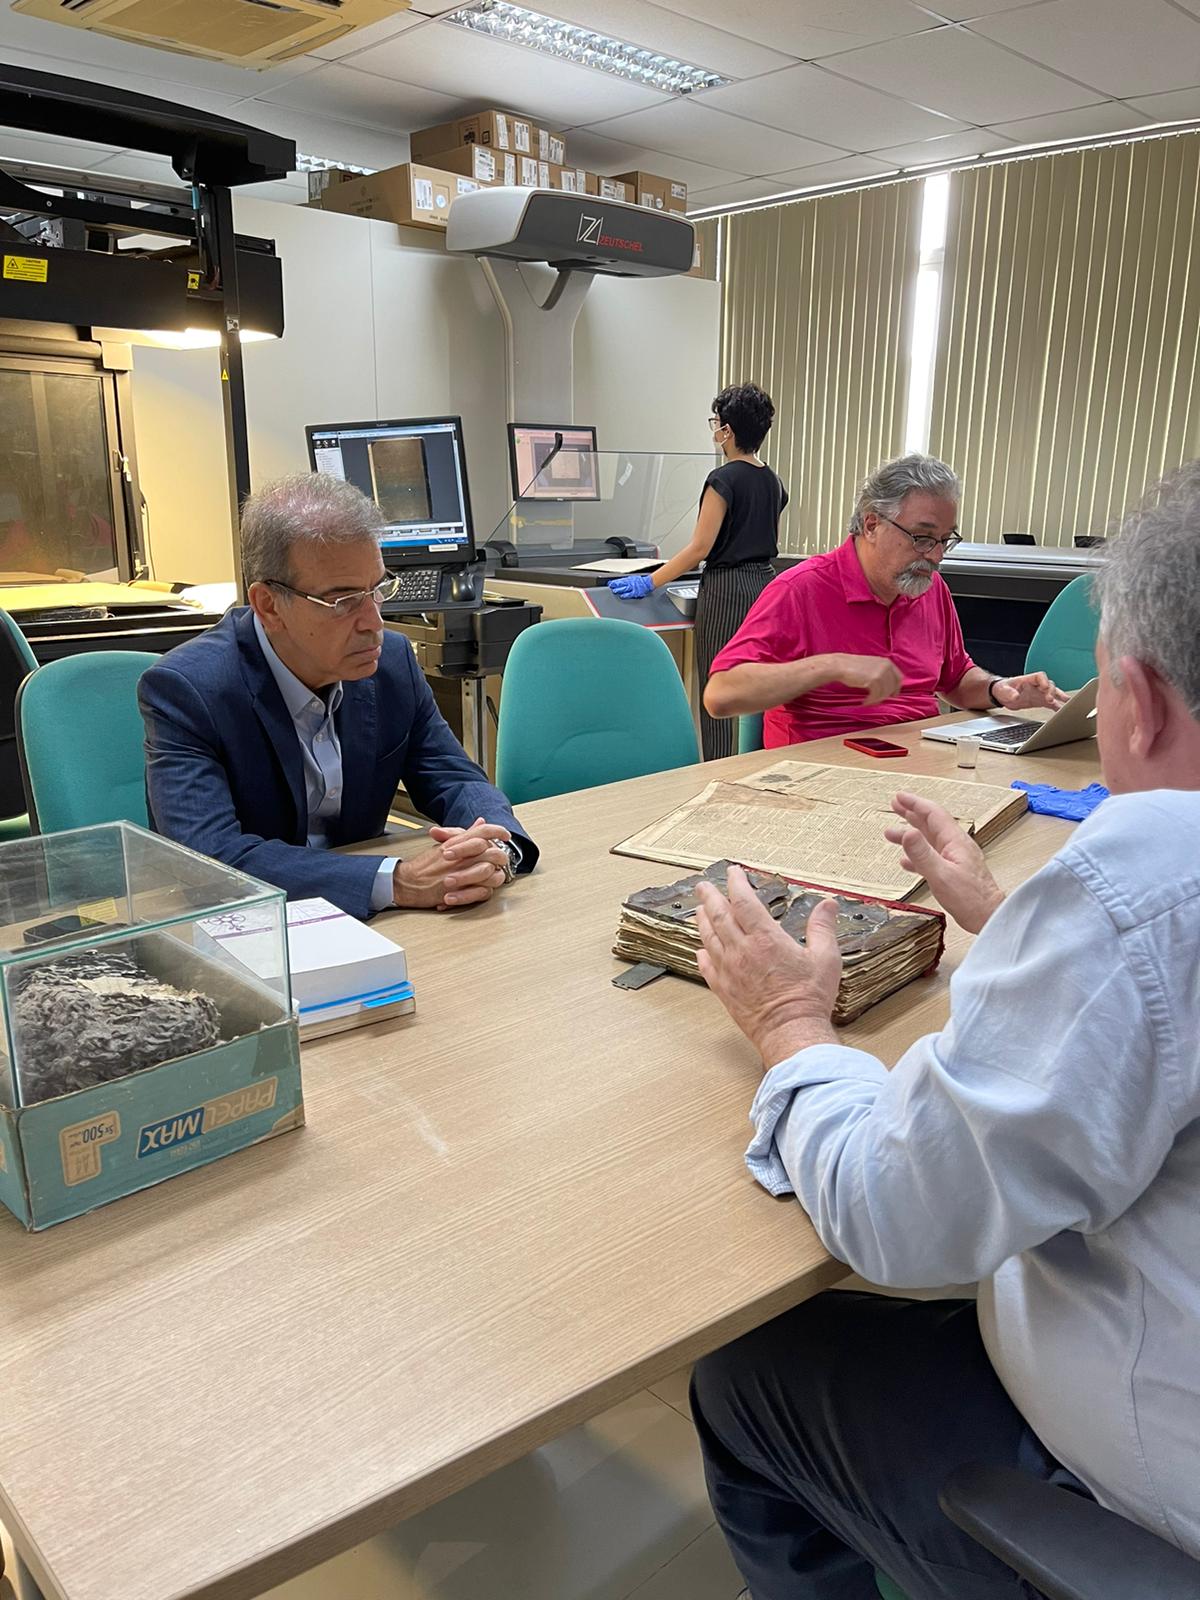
750	732
80	734
1064	646
17	661
585	702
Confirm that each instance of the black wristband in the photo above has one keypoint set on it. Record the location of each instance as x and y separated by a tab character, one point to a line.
992	692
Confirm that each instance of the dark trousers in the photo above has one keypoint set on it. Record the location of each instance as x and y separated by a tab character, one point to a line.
827	1434
726	595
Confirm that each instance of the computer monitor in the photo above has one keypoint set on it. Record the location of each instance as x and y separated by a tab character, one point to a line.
416	473
570	452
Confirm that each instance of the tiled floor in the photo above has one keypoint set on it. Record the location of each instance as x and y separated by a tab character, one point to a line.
613	1510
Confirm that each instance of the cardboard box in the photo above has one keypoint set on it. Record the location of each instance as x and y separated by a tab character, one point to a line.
499	130
613	189
656	194
552	147
478	161
318	182
576	180
413	196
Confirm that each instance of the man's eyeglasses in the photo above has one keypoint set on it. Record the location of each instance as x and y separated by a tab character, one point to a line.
714	423
347	604
924	543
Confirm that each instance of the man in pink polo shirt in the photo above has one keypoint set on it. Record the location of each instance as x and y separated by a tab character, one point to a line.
866	634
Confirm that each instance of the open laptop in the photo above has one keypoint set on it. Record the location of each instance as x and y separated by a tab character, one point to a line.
1023	735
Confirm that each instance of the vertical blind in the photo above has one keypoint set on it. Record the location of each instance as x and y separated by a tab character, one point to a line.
1069	335
817	309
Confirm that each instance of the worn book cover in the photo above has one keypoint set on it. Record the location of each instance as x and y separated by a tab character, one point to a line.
884	944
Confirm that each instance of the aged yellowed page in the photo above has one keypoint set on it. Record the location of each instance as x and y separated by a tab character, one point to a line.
821	824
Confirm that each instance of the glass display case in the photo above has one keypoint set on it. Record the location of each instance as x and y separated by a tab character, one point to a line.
100	974
603	502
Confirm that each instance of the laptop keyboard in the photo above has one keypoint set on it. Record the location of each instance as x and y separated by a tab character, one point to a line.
418	586
1015	734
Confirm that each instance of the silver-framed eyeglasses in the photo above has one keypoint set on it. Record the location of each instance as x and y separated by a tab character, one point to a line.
347	604
924	543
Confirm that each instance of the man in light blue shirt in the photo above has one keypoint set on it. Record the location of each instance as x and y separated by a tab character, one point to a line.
1046	1142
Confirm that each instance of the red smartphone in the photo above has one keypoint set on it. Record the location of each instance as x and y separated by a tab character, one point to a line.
875	747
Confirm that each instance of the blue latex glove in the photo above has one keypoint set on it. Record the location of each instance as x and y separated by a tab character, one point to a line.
1072	804
636	587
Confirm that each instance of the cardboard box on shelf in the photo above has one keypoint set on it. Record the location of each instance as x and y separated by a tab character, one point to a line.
499	130
656	194
318	182
551	147
613	189
478	161
411	195
576	180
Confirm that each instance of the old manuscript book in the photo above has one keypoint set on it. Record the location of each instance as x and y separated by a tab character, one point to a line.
883	945
821	824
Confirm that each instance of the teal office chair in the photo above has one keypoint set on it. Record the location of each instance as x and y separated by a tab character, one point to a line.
750	732
588	701
80	735
1064	646
17	661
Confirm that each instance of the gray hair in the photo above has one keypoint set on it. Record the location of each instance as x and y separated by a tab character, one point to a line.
307	508
884	491
1149	586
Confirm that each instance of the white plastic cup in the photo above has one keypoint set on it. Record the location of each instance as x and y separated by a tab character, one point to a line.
967	752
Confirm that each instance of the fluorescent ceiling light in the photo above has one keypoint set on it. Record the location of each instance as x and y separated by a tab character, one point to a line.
176	338
328	164
516	25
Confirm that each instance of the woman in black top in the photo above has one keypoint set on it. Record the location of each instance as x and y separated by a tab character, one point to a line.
737	537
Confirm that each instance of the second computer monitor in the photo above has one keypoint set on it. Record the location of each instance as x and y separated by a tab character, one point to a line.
553	461
415	470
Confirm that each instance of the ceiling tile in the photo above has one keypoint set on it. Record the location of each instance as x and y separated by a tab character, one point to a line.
1111	116
288	194
57	45
953	71
1178	106
808	28
51	152
840	171
967	10
353	96
655	28
435	8
688	128
810	101
364	38
479	71
587	149
1120	47
745	189
954	147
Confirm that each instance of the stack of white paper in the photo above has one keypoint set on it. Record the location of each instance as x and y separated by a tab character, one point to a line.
343	972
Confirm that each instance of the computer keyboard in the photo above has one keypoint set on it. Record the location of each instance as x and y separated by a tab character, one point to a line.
418	586
1015	733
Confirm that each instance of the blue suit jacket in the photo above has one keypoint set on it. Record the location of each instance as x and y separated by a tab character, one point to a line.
224	773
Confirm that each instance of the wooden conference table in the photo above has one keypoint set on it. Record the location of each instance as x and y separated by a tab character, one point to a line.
506	1214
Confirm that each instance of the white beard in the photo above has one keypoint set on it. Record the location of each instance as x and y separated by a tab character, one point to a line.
916	579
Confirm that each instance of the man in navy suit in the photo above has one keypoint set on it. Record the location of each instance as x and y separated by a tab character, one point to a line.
288	727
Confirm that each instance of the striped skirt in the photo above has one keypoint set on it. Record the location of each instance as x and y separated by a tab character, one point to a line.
726	595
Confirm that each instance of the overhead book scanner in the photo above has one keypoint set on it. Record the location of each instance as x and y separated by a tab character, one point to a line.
573	232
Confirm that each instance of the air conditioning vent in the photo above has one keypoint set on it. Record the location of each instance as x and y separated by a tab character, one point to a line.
247	33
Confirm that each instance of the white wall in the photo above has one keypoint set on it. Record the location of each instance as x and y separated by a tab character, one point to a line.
379	322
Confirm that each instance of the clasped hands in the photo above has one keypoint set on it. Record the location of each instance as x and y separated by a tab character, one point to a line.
464	867
781	993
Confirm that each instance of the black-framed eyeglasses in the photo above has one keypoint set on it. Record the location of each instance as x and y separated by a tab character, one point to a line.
714	423
924	543
346	604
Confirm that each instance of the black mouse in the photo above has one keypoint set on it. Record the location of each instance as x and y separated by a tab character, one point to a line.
462	586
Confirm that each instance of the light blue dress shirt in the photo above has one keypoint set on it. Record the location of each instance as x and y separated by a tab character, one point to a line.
312	716
1047	1143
